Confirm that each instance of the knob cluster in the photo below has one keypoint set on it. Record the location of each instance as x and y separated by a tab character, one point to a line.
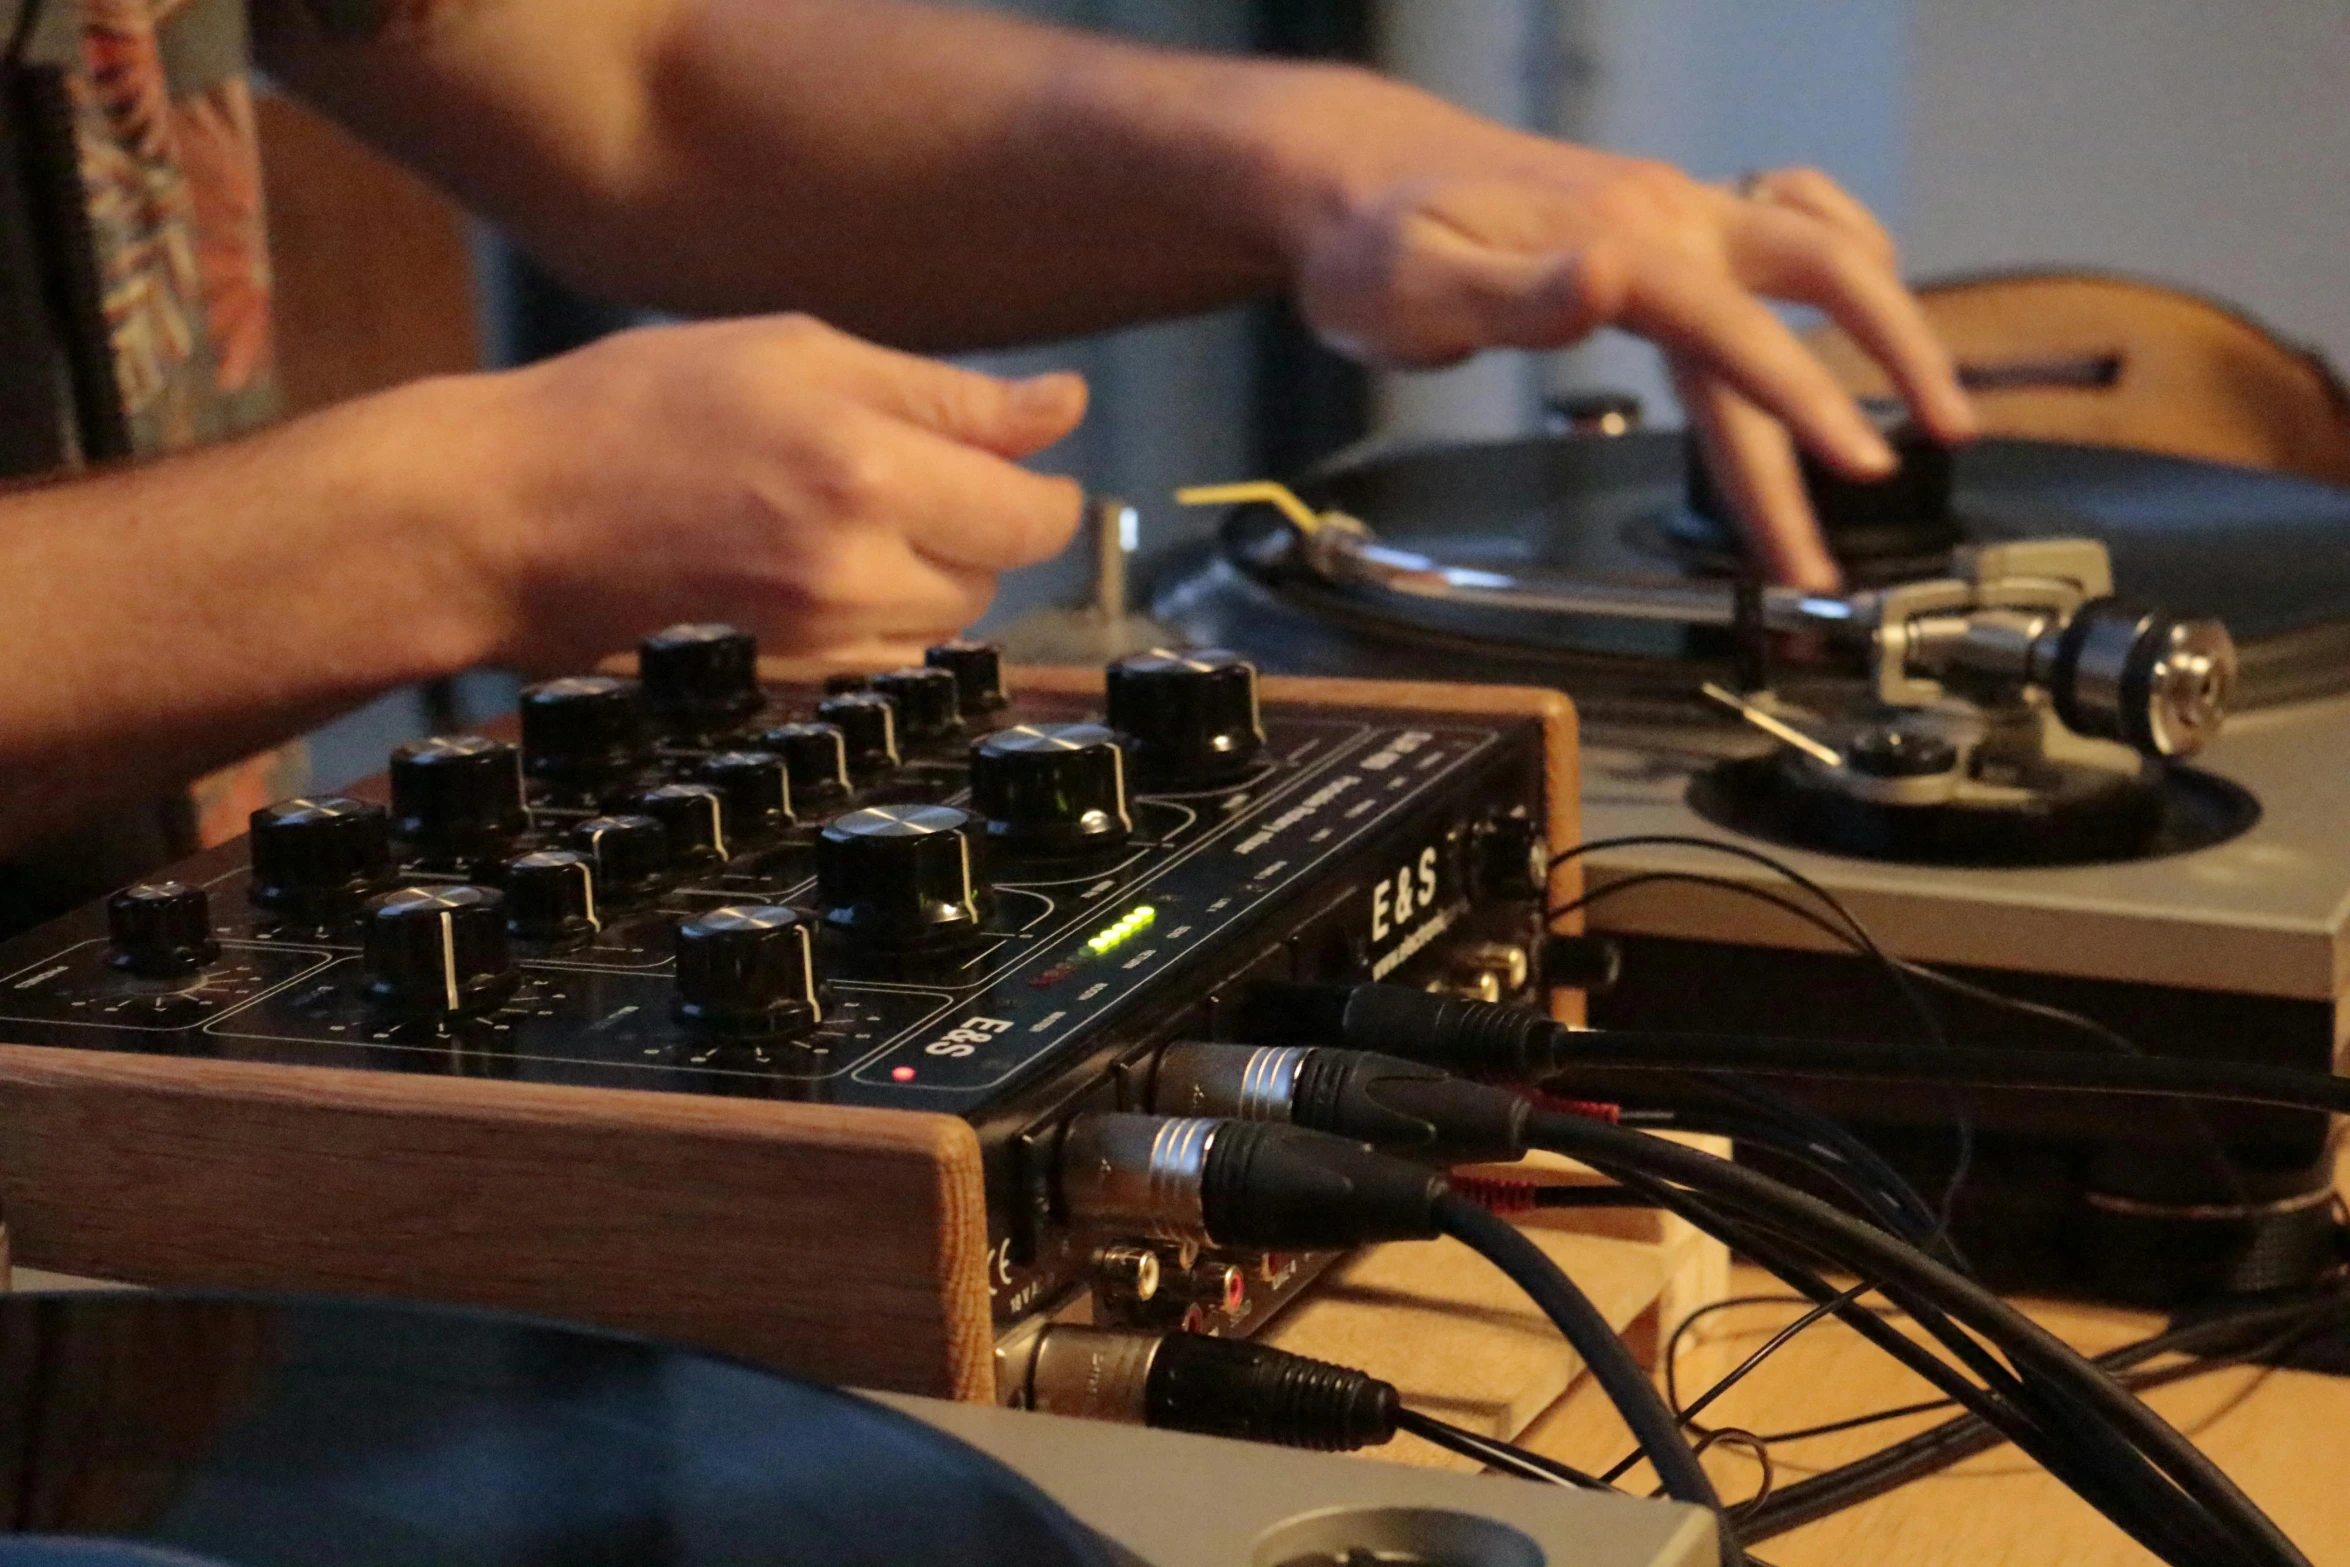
456	801
438	950
1190	717
899	877
747	971
700	680
1051	789
160	930
315	861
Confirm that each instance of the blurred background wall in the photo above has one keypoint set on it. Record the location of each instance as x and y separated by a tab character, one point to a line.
2198	143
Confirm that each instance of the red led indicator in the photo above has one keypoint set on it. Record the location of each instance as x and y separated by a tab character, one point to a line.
903	1074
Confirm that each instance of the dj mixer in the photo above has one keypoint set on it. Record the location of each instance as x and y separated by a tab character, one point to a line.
905	891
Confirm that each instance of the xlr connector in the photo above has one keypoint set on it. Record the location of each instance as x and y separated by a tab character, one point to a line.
1397	1106
1213	1386
1261	1186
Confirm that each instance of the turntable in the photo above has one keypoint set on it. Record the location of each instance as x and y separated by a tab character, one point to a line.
1992	747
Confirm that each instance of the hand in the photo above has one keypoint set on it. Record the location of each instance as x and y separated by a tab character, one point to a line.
1427	234
815	489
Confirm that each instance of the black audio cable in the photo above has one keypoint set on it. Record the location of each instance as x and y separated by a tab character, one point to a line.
1409	1107
2250	1333
2095	1462
1490	1040
1176	1381
2071	1398
2213	1151
1413	1109
2088	1433
1273	1187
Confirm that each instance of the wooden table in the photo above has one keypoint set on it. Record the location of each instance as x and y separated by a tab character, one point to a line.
2284	1436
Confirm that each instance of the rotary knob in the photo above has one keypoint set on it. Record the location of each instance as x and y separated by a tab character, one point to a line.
160	929
978	668
747	971
630	855
582	735
438	950
756	786
551	898
816	758
315	861
694	817
929	703
459	800
700	680
899	876
868	726
1192	715
1051	789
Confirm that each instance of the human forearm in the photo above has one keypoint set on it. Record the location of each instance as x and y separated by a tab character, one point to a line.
166	619
930	176
818	491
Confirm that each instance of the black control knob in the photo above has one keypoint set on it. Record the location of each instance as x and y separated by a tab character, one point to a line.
551	898
816	756
630	855
584	734
1051	788
899	876
978	668
929	702
756	786
747	970
160	929
1192	715
315	861
701	679
694	816
868	725
438	950
457	800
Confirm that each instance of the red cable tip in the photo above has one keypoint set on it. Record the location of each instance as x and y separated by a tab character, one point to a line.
1495	1194
1589	1109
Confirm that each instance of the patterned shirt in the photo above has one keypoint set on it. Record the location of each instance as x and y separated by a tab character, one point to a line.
134	299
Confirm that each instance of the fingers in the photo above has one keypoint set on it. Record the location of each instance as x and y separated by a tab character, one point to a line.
1006	417
1703	316
1811	192
1754	467
1796	255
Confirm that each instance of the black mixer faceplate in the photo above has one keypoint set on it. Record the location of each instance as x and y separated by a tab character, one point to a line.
2267	554
288	1434
1063	948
